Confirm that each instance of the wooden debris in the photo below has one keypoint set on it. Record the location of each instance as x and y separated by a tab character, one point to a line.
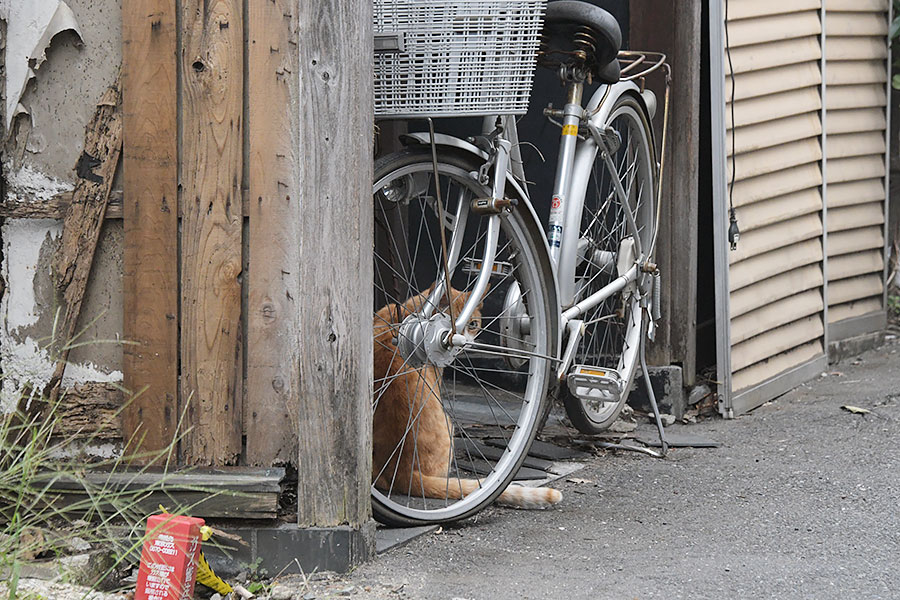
95	168
55	208
89	410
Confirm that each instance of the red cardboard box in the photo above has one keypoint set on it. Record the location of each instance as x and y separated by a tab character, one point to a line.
169	558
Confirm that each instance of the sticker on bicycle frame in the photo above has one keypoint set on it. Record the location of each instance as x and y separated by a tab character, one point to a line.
555	235
556	208
570	130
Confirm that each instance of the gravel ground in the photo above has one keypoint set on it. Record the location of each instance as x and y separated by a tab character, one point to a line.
800	501
38	589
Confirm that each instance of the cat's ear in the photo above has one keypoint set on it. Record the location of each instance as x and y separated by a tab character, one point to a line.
460	299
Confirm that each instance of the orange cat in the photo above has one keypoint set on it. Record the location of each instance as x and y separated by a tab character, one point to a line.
411	407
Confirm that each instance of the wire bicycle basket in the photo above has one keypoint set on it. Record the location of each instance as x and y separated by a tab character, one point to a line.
435	58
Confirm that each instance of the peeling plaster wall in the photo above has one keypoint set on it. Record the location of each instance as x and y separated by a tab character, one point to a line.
39	154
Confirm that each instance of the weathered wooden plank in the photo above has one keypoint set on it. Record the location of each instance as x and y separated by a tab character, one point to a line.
273	337
234	479
95	170
241	493
335	275
675	28
89	411
212	154
150	221
222	505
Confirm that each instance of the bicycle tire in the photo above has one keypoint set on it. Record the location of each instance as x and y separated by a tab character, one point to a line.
492	411
614	326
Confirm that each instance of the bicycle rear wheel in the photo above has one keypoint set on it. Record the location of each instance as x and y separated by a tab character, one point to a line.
451	431
613	328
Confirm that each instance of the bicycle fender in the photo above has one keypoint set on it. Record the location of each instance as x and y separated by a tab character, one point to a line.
605	97
449	141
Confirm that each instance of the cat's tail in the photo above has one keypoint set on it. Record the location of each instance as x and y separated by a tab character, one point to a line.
514	495
520	496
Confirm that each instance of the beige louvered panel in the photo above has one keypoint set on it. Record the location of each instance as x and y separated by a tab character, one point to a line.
855	192
769	212
855	216
776	274
854	240
776	314
776	341
774	106
855	144
857	5
774	54
856	23
777	158
770	29
777	184
855	288
849	310
851	265
784	233
774	263
855	96
774	133
854	72
745	9
776	365
772	81
850	121
855	168
855	48
775	288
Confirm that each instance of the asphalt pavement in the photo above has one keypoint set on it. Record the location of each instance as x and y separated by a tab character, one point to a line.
800	500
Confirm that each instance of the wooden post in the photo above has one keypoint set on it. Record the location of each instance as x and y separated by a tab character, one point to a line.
151	220
336	131
674	28
273	336
212	168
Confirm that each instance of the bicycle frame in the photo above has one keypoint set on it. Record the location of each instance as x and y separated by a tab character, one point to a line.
573	171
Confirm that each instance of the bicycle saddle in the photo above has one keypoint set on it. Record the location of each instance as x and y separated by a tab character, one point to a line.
582	35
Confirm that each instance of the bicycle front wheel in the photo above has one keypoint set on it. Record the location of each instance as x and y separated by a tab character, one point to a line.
613	328
453	425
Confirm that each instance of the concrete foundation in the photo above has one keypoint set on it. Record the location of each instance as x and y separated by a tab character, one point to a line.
290	549
668	387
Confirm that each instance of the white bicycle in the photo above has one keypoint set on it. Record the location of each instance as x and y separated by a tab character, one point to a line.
555	309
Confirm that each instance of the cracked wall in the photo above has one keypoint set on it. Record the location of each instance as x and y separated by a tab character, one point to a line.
41	146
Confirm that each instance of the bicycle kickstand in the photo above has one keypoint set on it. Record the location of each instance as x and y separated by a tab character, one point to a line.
659	425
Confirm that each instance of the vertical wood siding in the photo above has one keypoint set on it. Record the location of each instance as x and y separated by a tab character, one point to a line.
150	172
212	150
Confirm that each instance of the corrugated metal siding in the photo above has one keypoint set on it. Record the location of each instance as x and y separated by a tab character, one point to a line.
856	96
776	276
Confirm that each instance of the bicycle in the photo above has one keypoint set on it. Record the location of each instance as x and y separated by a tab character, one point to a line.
558	310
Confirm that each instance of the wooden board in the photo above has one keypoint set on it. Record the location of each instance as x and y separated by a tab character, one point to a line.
151	221
675	29
335	274
211	260
95	170
241	493
89	411
273	337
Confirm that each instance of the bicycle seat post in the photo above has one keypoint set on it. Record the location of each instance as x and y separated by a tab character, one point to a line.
571	115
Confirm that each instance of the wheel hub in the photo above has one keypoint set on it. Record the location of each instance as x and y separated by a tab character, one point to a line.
426	341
